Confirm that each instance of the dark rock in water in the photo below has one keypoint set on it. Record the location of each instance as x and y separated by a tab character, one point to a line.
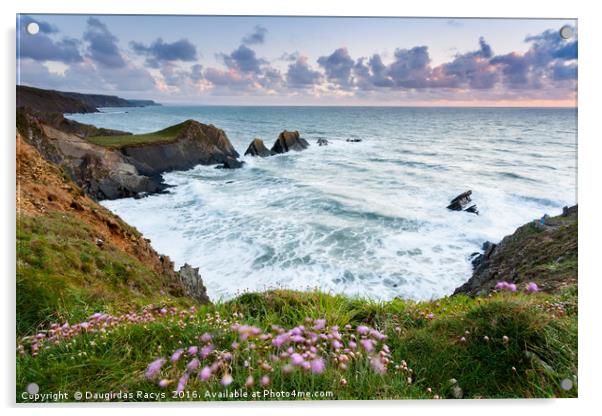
478	258
459	202
289	140
354	140
257	148
230	163
193	283
322	142
473	209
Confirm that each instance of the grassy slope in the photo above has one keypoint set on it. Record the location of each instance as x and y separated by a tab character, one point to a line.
166	135
542	347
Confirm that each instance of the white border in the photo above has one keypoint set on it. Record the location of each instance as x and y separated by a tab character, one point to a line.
590	160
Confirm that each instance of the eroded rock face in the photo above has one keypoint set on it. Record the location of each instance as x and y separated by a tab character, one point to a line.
546	255
195	144
289	140
193	283
257	148
102	173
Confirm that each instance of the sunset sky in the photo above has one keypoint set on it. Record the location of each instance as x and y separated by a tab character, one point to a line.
303	60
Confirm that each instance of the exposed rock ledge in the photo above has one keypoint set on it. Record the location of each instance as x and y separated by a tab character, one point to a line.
543	251
126	171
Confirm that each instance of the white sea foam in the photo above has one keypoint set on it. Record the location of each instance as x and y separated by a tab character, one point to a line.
367	218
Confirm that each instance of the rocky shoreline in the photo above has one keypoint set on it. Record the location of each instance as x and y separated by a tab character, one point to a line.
134	169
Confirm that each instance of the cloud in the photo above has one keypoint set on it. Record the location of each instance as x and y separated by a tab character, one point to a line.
410	68
468	70
549	58
243	59
41	47
300	74
338	67
257	37
160	51
102	44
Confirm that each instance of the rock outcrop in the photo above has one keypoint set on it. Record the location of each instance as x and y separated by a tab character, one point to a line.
353	140
101	172
230	163
460	202
193	144
193	283
322	142
257	148
289	140
542	253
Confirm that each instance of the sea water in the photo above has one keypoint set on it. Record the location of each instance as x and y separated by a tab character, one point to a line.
362	218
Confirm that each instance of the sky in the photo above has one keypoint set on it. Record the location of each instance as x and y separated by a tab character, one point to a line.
251	60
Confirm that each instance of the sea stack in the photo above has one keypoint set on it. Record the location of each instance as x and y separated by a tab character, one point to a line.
460	202
289	140
257	148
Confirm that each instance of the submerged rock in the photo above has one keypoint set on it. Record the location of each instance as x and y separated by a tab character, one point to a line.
289	140
322	142
459	202
354	140
257	148
230	163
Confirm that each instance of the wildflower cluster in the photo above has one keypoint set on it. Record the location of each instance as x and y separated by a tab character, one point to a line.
531	287
96	323
249	353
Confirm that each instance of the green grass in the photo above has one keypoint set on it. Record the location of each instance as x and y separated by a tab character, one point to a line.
166	135
62	275
540	352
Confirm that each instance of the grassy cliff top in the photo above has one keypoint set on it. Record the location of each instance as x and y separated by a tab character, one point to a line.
166	135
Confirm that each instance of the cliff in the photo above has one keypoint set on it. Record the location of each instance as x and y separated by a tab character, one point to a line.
43	100
178	147
543	251
73	254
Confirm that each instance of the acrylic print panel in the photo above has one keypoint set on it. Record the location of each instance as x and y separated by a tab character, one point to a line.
294	208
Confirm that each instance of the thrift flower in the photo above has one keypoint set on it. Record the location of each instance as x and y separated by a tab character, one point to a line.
532	287
154	368
249	382
265	380
164	383
296	359
193	350
318	365
205	374
193	365
227	379
367	344
363	330
319	324
176	355
182	382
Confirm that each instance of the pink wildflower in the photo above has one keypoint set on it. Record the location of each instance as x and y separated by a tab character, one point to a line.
501	285
154	368
193	365
532	287
363	330
227	379
319	324
317	365
265	380
296	359
378	366
367	344
512	287
205	337
336	345
206	350
205	374
182	382
193	350
176	355
249	382
164	383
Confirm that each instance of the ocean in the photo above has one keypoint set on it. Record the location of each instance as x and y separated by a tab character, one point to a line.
367	218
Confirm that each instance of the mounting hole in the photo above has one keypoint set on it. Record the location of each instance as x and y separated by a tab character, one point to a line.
33	28
566	32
